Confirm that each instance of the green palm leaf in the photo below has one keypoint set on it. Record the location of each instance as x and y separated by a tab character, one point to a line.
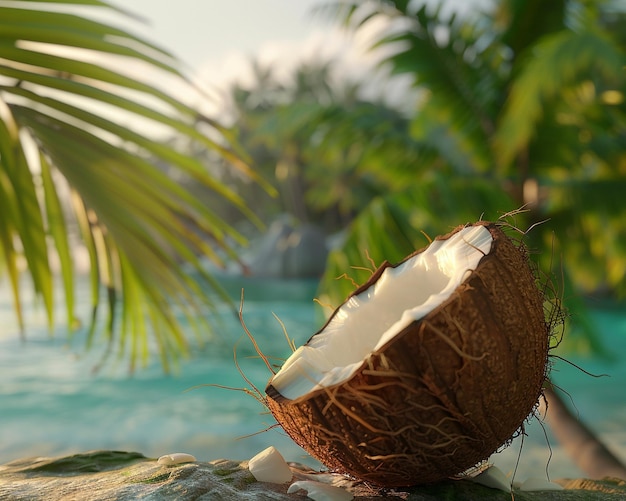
558	61
459	74
137	224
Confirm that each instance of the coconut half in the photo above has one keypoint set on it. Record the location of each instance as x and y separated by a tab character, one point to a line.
426	369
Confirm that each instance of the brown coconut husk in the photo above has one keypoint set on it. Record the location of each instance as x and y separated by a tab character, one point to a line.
444	393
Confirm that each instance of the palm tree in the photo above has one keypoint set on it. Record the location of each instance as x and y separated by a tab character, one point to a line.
523	105
77	157
321	143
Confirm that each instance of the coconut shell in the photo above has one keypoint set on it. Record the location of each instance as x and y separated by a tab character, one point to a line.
445	393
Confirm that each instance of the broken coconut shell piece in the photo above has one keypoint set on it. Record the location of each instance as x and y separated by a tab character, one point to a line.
270	466
426	369
176	458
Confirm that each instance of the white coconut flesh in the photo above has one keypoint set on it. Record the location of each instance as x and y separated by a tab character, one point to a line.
370	319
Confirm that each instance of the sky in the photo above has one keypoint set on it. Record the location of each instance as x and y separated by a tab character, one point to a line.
204	31
219	39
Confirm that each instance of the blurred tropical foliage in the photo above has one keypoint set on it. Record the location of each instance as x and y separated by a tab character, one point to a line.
522	106
311	137
514	104
71	173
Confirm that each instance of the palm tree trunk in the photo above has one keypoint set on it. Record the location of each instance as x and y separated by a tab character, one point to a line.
585	449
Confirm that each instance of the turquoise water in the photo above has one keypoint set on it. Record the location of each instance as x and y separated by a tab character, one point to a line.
51	403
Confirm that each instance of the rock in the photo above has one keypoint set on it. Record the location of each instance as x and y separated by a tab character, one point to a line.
115	475
289	250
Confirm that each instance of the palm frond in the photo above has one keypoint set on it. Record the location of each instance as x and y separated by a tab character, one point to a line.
558	60
91	3
457	72
138	226
526	21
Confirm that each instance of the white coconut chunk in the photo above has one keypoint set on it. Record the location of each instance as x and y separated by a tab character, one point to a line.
270	466
494	478
369	320
319	491
539	484
176	458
